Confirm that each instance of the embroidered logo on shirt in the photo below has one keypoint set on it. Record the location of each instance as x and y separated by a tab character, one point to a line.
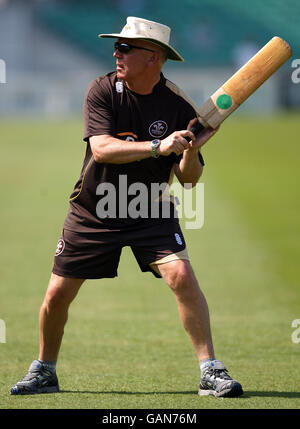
158	129
119	87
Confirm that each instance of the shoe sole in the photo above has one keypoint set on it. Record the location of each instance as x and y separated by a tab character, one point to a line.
46	389
234	392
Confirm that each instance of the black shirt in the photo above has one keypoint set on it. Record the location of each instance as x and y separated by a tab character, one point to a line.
112	108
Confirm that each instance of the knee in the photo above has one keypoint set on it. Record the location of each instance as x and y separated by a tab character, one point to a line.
181	278
55	297
60	293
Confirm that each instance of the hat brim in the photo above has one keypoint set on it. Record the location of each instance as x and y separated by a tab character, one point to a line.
172	54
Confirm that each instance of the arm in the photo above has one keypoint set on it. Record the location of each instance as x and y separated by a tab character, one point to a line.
108	149
189	169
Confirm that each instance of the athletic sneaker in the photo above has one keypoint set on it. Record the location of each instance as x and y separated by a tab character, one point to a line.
37	380
215	381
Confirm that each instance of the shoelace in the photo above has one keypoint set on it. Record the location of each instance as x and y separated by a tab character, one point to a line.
219	373
33	374
30	375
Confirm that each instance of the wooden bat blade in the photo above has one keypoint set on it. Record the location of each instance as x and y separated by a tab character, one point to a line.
258	69
244	82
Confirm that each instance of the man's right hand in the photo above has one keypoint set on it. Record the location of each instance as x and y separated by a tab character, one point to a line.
175	142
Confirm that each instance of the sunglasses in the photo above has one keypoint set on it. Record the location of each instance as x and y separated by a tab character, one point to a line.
124	48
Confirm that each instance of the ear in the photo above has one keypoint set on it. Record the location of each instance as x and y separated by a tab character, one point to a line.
154	59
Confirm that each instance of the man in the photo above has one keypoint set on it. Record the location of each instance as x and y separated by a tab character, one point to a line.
136	129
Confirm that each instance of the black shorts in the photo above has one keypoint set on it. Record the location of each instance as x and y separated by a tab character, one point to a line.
96	255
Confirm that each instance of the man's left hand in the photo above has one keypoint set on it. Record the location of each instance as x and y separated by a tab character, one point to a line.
202	137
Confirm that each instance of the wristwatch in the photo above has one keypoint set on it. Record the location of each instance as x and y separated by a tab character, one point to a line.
154	145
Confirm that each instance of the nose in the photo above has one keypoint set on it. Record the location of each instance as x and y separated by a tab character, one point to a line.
117	54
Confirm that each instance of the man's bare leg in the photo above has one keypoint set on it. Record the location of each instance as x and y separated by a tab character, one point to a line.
191	303
41	376
54	314
194	314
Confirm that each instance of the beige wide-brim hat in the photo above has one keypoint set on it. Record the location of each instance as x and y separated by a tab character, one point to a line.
139	28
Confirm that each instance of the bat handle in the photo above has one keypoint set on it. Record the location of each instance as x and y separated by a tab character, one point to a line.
196	128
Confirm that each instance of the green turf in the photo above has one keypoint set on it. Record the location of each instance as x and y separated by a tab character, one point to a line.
124	346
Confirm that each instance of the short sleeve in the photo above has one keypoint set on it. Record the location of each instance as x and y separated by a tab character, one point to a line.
97	109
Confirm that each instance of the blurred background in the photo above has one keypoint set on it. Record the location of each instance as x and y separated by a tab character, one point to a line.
246	256
51	49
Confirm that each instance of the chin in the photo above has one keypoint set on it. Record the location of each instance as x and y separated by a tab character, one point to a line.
121	74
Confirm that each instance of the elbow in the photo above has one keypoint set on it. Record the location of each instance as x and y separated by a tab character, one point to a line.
189	177
191	185
106	158
99	148
196	178
99	157
190	182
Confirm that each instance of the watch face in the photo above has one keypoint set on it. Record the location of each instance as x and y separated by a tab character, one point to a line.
154	144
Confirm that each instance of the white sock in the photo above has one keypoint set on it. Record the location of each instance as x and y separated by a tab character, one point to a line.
205	362
51	366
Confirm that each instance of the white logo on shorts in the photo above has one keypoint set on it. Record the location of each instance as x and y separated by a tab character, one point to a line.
178	238
60	247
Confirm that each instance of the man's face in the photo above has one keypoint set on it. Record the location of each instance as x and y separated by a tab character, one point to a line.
133	64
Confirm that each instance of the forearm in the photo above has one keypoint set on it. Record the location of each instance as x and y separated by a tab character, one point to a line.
189	169
115	151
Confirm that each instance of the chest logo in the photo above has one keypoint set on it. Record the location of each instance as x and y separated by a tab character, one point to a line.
158	129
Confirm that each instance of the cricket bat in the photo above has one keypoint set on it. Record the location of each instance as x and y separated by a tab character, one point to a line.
242	84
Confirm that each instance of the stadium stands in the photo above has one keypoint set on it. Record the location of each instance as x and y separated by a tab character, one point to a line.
205	31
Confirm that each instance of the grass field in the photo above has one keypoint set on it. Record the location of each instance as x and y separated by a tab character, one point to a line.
124	346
